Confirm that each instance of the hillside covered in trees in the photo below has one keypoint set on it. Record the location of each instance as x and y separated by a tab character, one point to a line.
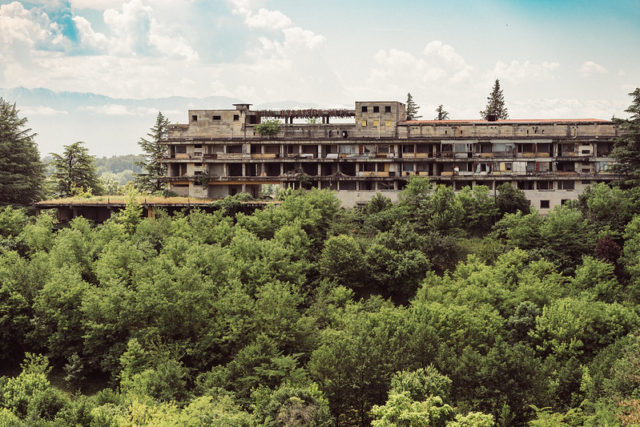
443	309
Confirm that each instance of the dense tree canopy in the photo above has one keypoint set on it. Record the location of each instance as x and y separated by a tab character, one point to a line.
436	310
21	171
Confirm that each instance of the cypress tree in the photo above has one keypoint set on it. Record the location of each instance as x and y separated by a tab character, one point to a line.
495	104
412	108
627	146
21	171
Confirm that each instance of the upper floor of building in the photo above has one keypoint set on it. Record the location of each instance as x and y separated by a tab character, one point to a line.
371	120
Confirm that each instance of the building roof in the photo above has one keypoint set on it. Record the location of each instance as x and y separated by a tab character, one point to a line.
508	121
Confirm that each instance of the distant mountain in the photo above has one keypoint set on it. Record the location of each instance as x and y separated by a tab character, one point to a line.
109	126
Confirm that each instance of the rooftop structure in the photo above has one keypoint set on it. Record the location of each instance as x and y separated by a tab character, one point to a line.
221	152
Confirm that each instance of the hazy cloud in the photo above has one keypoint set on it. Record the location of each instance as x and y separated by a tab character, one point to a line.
589	68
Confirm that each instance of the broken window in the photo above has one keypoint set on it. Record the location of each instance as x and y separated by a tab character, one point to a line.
236	117
194	118
544	204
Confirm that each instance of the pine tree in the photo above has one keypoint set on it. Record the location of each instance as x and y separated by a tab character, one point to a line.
412	108
442	113
21	171
627	146
495	104
154	152
75	171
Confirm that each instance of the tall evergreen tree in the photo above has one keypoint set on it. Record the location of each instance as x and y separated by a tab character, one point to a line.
75	171
627	146
442	114
21	171
153	168
495	104
412	108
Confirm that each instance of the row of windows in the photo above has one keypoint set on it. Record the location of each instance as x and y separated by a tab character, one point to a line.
376	109
215	118
376	123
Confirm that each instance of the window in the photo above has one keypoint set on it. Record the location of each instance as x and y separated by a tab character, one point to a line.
376	109
216	117
564	201
194	118
364	123
566	185
387	109
376	123
181	149
387	123
544	204
545	185
197	146
236	117
364	109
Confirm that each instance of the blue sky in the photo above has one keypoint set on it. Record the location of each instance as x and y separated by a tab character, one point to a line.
554	58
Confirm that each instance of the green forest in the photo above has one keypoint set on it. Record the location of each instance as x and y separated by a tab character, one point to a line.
444	309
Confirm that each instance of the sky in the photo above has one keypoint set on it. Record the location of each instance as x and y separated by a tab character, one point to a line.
99	70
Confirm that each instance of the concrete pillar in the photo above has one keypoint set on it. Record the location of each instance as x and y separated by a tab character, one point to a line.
281	169
244	169
319	151
244	188
395	185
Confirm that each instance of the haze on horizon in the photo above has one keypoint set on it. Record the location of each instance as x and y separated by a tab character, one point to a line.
99	70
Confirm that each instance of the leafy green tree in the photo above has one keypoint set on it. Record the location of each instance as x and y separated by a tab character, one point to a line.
441	113
511	200
422	383
154	151
412	108
627	146
268	128
495	104
75	171
21	171
401	410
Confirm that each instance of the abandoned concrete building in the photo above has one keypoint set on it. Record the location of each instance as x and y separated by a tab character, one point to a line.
375	149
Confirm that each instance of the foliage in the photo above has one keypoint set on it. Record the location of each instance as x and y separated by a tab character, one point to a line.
75	171
412	108
268	128
307	314
495	104
21	171
441	113
154	151
627	146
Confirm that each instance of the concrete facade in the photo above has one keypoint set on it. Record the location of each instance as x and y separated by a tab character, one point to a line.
220	153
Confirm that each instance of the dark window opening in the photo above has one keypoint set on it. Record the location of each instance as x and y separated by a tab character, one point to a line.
181	149
194	118
364	109
197	146
544	204
376	109
387	109
236	117
564	201
216	117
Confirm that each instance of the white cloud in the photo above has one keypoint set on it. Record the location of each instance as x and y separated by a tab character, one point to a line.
97	4
89	38
42	111
120	110
516	71
267	19
438	51
589	68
